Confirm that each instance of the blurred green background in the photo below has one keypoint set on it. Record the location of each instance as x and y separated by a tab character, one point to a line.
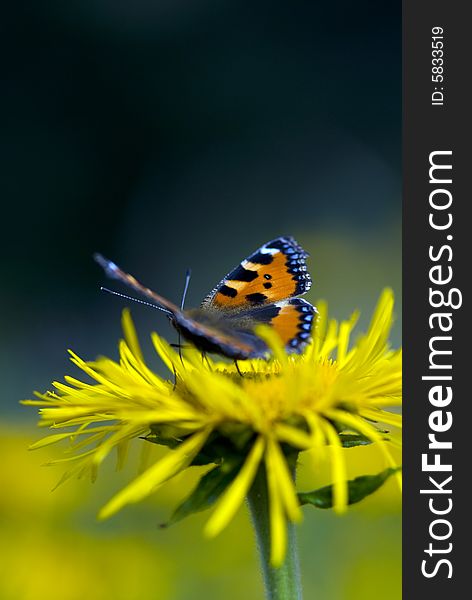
170	134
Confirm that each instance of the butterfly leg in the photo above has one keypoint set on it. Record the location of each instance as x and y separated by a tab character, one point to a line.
179	345
180	351
182	303
238	369
205	359
175	378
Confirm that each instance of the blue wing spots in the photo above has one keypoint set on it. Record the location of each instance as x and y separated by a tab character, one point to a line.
307	313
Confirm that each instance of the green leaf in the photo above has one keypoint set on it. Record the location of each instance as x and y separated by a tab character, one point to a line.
350	440
206	493
154	438
358	489
341	430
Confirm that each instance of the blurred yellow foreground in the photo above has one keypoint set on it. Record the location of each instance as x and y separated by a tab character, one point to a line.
52	547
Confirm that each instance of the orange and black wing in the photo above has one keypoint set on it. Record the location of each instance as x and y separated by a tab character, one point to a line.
234	336
293	320
276	271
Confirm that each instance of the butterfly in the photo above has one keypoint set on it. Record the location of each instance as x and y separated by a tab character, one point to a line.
263	289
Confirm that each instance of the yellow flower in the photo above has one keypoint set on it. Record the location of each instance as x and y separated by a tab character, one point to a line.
212	414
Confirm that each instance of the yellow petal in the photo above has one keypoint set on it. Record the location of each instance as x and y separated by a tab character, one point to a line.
273	341
338	465
138	370
343	338
284	481
358	424
383	417
156	475
94	374
319	332
330	341
131	336
125	432
168	356
234	495
293	436
278	524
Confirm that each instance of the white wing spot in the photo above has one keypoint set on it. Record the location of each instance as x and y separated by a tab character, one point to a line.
265	250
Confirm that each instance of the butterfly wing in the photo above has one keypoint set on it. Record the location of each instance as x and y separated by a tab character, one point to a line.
206	331
217	328
227	339
276	271
233	335
291	319
113	271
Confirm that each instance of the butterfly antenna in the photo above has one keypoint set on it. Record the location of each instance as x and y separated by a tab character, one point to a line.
114	272
188	274
104	289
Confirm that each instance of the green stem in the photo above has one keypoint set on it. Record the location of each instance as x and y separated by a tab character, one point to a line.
282	583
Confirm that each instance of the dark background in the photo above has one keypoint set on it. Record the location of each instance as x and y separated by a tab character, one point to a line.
174	134
170	134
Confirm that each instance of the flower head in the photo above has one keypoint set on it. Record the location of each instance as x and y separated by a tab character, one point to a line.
332	395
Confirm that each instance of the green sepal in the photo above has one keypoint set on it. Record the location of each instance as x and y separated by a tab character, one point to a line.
218	447
358	489
216	450
207	491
